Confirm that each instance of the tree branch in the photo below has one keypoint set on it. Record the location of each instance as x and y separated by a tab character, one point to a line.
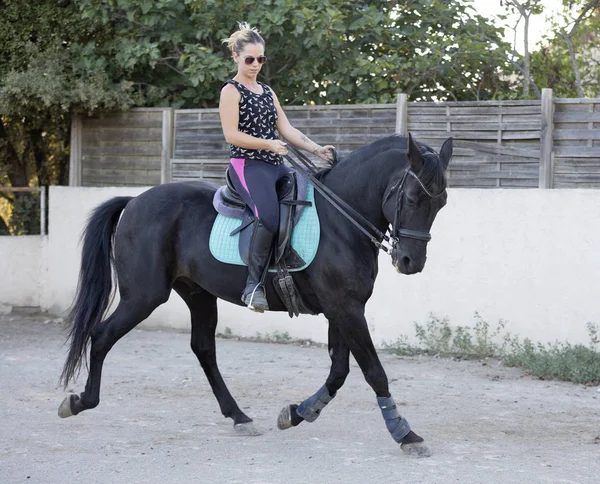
567	39
173	68
582	16
520	69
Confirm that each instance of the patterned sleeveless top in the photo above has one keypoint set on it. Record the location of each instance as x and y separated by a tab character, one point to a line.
258	118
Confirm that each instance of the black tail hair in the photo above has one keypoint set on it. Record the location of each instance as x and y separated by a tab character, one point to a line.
94	289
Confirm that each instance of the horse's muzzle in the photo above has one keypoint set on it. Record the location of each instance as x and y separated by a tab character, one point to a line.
406	265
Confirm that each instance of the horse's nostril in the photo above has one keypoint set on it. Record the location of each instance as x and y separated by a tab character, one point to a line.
405	261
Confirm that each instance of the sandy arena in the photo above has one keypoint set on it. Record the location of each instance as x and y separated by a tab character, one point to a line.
158	421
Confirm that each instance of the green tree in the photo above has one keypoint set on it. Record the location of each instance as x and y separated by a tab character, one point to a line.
569	62
581	21
525	9
42	83
59	57
320	51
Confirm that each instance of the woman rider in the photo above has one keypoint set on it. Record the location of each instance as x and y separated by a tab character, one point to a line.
250	112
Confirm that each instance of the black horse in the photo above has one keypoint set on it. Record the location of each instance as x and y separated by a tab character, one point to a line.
161	242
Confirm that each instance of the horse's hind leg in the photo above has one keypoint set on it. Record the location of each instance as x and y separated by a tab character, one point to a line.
310	409
203	309
126	317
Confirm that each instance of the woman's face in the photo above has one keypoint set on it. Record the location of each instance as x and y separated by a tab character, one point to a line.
250	52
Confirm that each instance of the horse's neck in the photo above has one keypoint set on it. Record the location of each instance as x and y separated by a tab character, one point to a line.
362	184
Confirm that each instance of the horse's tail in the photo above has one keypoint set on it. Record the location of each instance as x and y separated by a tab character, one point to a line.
94	289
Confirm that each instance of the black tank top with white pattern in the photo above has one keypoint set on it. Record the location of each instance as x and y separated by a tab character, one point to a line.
258	118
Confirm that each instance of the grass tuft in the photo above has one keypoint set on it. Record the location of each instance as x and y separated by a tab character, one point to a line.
560	361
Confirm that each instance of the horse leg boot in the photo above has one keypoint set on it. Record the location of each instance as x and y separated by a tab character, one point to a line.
260	253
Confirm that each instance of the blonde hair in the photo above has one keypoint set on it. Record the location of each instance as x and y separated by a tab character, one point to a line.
245	35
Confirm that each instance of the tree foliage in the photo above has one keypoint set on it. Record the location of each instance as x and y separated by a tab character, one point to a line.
42	83
525	9
569	62
320	51
60	57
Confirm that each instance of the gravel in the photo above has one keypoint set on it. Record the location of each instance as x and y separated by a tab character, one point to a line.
158	421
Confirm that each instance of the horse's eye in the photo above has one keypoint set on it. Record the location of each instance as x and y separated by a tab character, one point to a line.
411	202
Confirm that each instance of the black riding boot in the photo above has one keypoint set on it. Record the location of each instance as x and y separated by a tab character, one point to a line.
260	251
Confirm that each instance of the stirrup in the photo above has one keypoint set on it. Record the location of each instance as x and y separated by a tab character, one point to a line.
258	304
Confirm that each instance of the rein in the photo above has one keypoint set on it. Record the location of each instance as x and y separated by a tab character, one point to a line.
376	236
350	213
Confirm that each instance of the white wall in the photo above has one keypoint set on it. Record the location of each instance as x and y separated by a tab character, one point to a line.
21	270
527	256
69	208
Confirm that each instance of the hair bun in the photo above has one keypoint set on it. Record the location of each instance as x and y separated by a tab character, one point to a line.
244	35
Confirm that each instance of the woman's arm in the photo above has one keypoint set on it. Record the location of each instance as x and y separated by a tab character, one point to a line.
230	114
297	138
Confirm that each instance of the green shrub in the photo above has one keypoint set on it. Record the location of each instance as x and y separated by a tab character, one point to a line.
560	361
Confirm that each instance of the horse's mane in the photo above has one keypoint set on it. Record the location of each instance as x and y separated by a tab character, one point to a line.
432	172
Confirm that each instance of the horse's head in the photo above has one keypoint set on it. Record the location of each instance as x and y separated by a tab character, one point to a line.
412	202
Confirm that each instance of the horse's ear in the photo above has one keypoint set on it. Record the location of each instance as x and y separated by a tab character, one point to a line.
446	152
414	155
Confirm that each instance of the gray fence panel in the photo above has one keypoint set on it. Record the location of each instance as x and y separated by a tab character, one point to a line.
577	143
496	143
120	149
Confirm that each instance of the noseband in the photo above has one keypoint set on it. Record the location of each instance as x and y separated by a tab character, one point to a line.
397	231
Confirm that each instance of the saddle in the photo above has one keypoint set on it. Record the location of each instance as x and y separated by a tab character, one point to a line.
292	192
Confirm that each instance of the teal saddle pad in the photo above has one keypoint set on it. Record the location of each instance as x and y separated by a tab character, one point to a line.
305	237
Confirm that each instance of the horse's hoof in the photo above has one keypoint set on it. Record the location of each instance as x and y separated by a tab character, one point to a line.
416	449
246	429
66	409
284	421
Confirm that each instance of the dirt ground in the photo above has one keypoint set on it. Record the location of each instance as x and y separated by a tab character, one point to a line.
158	421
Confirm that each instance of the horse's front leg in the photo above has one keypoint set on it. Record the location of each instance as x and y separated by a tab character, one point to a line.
310	409
351	325
354	329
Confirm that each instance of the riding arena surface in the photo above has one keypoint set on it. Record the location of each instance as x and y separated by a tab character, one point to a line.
158	420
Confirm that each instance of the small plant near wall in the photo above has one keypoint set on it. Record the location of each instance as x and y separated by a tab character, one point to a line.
438	338
576	363
558	361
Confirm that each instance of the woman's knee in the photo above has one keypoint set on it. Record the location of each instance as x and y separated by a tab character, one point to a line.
269	222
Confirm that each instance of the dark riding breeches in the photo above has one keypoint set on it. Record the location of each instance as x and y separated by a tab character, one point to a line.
256	181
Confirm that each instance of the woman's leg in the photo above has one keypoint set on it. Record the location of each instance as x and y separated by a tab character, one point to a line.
255	181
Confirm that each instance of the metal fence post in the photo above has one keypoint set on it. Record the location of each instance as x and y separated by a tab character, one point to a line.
402	114
547	141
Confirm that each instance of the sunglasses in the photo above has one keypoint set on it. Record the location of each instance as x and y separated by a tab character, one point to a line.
250	60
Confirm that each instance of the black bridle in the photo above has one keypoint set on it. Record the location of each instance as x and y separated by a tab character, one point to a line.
397	231
376	236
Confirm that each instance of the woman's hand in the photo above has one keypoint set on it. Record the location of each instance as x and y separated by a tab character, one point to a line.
278	147
325	152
